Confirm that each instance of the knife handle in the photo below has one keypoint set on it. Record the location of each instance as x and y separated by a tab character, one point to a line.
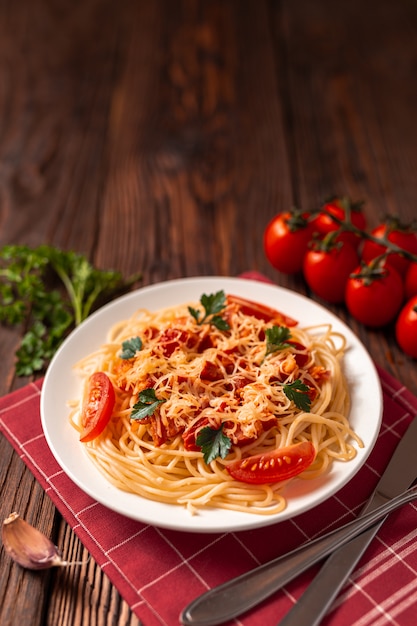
319	595
238	595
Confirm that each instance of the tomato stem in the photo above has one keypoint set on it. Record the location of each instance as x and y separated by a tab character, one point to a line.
297	220
374	270
347	225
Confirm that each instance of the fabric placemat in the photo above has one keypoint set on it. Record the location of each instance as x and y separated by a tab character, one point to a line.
158	572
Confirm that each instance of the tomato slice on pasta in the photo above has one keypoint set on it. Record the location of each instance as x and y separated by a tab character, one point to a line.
97	406
272	467
261	311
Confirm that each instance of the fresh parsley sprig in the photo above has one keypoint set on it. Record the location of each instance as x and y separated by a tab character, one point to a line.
297	392
146	405
213	443
83	282
212	304
277	339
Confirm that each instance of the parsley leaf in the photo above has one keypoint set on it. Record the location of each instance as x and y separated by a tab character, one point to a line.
33	350
219	323
50	322
298	393
212	305
276	339
130	347
213	443
147	405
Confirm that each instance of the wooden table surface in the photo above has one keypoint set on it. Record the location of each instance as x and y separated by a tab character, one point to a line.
161	136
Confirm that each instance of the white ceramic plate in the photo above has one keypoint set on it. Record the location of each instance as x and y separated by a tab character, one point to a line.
61	384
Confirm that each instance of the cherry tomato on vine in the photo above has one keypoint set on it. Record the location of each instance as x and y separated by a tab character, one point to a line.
411	281
272	467
326	271
406	328
400	235
286	239
97	406
374	299
340	208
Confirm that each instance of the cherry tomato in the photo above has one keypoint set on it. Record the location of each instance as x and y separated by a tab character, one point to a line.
324	223
261	311
374	302
327	271
405	239
285	241
97	406
275	466
406	328
411	281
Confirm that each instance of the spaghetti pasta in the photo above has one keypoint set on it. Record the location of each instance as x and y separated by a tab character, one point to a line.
178	373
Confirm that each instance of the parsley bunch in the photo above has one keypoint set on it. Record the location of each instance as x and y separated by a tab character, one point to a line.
49	291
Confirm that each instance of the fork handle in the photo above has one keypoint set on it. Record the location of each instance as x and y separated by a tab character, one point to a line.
321	592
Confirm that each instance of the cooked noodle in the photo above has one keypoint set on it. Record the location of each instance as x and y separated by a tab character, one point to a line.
208	376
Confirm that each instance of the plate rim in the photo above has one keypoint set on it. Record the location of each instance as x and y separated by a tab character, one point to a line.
235	521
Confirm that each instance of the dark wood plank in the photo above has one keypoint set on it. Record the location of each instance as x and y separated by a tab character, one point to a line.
350	100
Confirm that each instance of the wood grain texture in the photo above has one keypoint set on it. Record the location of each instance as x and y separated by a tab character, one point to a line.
161	136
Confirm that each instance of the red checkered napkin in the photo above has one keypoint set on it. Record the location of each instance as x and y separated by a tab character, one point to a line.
159	572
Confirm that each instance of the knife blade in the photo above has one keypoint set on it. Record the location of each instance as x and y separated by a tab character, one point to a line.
244	592
319	595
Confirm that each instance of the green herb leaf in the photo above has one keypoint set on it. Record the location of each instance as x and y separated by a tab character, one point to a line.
32	351
297	392
147	405
130	347
194	312
213	443
212	305
276	339
219	323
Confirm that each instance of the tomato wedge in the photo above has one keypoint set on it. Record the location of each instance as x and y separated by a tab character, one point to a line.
273	467
261	311
189	435
97	406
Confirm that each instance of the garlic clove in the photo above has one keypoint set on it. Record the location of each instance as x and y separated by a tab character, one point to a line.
28	546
